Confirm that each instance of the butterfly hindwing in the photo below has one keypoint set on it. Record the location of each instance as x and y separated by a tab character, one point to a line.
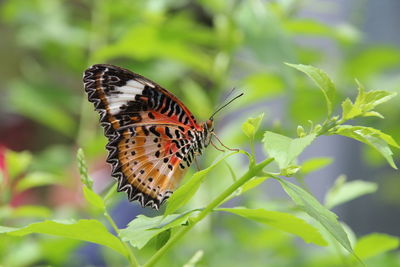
150	132
151	163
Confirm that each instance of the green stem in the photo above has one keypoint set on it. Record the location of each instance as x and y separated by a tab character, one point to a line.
329	125
110	192
231	171
215	203
252	147
253	153
132	259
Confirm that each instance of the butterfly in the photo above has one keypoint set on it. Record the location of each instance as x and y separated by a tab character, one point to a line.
153	138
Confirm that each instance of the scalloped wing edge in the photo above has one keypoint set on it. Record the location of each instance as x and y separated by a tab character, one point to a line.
133	193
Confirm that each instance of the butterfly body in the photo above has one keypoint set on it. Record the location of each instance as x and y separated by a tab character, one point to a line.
153	137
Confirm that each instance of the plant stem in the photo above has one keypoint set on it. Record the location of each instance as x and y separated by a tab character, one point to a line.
110	191
215	203
253	153
131	257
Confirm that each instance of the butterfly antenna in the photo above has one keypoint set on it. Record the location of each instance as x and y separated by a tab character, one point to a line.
219	109
230	93
225	98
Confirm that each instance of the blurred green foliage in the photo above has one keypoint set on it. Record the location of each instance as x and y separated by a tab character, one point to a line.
198	50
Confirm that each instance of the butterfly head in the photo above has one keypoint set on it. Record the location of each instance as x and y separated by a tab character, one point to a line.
209	124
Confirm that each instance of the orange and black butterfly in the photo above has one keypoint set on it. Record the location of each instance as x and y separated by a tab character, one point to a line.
153	137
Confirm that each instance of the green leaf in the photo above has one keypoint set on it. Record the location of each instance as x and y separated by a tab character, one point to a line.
254	182
343	192
348	109
372	137
161	239
314	164
322	80
313	208
365	103
85	230
373	114
35	179
185	192
290	170
93	199
284	149
369	100
17	162
283	221
375	244
83	170
142	229
251	126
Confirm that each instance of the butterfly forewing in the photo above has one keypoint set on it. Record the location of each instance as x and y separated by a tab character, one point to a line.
152	135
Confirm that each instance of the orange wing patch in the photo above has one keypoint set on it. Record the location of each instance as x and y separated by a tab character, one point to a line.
148	164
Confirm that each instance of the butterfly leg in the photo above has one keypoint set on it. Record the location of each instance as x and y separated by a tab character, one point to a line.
231	149
217	148
195	161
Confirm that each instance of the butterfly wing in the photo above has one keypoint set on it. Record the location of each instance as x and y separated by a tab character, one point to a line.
151	133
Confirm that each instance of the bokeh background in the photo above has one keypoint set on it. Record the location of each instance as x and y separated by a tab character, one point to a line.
198	50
